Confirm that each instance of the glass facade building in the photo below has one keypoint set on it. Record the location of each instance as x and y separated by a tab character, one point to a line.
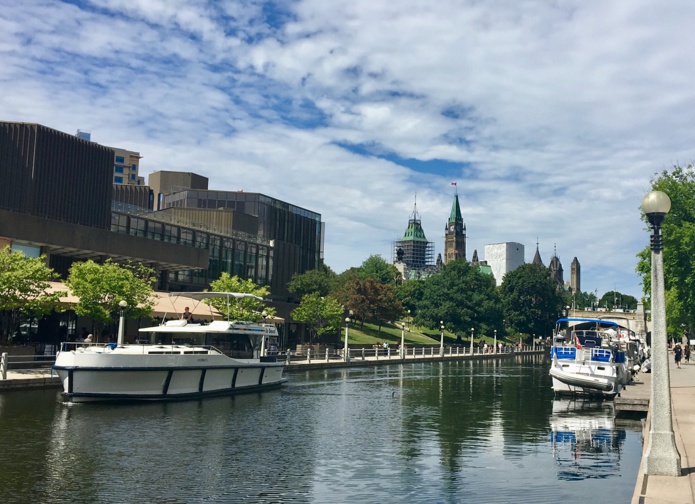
292	233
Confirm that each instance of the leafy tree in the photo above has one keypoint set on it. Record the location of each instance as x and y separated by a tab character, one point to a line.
377	268
410	294
321	281
580	300
322	314
461	296
615	299
370	300
530	299
679	249
248	309
24	288
101	287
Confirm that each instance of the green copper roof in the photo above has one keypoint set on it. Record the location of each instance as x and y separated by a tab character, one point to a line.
414	231
456	211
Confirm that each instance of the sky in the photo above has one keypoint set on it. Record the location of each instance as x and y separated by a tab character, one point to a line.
551	117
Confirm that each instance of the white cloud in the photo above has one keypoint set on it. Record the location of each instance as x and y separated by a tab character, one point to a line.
552	117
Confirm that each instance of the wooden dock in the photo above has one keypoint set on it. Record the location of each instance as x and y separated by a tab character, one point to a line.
633	400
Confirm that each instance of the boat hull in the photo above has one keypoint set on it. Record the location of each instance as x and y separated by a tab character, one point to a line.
92	376
592	372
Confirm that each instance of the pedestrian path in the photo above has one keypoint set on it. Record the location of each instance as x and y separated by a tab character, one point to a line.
669	489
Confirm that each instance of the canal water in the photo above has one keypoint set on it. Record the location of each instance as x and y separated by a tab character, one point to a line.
454	432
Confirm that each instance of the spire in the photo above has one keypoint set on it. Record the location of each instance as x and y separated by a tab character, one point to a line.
455	216
537	257
414	231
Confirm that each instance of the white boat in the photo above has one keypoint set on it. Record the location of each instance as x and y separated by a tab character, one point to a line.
590	366
180	360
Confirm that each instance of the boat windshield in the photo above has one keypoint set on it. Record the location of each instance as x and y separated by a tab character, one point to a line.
588	339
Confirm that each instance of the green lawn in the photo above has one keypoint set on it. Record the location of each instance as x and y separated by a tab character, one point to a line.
370	335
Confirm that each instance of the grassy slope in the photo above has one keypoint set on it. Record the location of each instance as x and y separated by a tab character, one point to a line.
369	335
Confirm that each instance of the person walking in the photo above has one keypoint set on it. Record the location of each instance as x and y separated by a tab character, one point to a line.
686	353
677	354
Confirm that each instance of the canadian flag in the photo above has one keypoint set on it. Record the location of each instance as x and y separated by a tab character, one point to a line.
453	183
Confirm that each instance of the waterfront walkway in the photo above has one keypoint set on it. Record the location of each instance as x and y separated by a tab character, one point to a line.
669	489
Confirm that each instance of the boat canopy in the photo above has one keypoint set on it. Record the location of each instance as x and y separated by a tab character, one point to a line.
569	320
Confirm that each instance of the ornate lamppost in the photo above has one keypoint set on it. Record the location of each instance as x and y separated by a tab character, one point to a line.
122	304
662	457
401	349
441	341
346	350
494	349
472	340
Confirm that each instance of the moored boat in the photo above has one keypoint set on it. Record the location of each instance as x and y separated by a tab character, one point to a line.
180	360
591	365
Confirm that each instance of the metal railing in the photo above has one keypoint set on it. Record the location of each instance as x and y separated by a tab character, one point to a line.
393	353
22	362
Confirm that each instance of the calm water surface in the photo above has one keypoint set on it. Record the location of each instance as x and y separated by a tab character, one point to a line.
426	432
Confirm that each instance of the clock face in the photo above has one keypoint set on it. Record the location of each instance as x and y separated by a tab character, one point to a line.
451	228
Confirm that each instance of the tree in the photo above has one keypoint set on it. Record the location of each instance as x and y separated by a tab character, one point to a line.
581	300
530	300
462	297
615	299
322	314
322	281
247	309
101	287
370	301
678	231
24	288
377	268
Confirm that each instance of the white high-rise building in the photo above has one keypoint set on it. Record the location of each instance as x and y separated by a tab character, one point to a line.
503	258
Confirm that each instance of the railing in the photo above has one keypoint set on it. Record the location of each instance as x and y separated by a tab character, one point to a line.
393	353
15	362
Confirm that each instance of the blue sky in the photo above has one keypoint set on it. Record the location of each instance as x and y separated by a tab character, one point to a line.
551	117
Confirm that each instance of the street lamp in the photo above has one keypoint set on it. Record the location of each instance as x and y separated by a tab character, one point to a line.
441	342
494	349
122	304
264	314
472	340
346	356
662	457
401	349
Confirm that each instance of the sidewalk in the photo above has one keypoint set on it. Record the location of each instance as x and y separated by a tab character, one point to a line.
29	378
668	489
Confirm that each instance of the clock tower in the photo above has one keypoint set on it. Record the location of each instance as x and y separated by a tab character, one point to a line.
455	234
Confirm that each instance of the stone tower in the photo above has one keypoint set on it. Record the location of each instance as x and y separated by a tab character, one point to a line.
575	276
455	234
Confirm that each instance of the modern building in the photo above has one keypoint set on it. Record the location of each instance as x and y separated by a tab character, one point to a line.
274	239
503	258
59	199
455	234
126	164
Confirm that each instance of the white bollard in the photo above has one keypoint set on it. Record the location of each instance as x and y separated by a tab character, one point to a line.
308	356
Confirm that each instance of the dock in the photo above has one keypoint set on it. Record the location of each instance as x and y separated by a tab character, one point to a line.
633	400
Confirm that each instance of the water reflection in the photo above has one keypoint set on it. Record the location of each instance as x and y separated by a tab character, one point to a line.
425	432
586	444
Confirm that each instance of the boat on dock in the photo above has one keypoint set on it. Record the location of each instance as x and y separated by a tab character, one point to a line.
178	360
588	361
